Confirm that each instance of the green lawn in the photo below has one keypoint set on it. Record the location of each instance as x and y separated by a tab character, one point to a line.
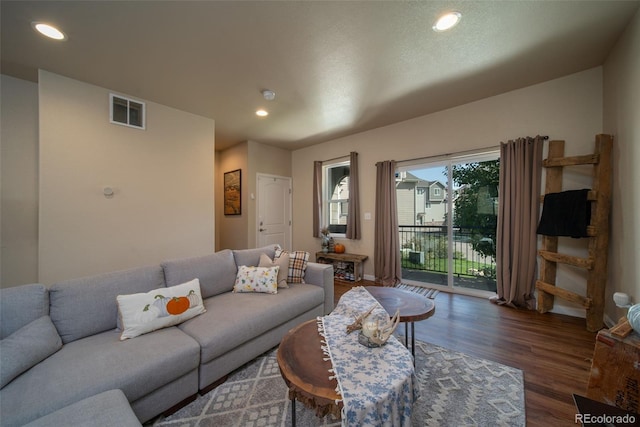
460	266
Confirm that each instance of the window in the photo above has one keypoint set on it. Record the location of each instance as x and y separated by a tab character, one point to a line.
344	206
456	230
127	112
335	188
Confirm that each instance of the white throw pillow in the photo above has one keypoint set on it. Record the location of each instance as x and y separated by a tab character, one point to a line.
282	262
159	308
257	279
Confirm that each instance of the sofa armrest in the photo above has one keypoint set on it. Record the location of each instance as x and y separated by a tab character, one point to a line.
321	275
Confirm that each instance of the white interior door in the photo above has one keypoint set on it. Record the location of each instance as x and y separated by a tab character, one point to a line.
274	211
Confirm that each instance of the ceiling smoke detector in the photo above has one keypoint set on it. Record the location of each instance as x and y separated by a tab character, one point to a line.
269	95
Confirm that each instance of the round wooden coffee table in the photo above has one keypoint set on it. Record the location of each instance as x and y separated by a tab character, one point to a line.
303	369
412	307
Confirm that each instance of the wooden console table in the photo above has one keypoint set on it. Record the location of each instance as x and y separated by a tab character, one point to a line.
357	268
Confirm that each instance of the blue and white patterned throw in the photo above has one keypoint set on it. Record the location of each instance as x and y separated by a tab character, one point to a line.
378	385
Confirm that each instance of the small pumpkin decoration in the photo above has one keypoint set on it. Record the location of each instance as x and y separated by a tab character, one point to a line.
177	305
148	313
194	299
160	302
339	248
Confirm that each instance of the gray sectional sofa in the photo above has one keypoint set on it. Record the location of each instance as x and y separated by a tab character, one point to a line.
154	371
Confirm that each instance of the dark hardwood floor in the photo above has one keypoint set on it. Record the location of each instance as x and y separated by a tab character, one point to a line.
554	351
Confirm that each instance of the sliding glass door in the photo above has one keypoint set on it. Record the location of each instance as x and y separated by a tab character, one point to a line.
447	215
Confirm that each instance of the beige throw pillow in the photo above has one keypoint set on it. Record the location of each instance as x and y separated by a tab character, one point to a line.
282	262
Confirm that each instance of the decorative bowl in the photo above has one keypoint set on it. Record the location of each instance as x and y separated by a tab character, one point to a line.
633	316
365	341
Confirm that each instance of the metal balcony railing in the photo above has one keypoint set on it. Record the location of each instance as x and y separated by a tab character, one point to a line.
426	248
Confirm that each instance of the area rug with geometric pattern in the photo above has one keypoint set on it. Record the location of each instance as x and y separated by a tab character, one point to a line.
455	390
420	290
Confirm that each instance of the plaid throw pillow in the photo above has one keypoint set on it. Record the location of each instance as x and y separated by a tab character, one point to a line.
297	264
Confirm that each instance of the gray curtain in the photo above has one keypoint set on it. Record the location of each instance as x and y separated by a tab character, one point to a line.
353	218
387	267
317	197
519	204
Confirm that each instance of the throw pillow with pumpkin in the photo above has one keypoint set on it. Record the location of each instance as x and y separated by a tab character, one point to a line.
146	312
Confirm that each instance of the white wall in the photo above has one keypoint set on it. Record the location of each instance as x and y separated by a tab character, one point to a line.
622	119
240	231
19	181
163	180
266	160
233	229
568	108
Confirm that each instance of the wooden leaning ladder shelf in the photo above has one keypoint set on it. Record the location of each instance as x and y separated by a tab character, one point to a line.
598	231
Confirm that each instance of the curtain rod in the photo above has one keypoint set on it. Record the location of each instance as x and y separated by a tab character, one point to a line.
461	153
446	155
346	156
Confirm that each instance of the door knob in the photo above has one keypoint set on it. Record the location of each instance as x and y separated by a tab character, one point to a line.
263	229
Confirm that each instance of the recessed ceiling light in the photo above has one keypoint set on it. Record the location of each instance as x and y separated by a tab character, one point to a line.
49	31
447	21
262	113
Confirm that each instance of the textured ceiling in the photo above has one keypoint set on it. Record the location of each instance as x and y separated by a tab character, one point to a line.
337	67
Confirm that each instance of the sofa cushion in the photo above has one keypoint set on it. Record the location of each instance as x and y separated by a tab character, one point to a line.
87	306
233	319
282	262
163	307
104	409
297	264
96	364
21	305
257	279
251	257
216	272
26	347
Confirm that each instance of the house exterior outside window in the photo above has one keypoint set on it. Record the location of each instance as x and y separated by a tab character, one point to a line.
447	234
335	187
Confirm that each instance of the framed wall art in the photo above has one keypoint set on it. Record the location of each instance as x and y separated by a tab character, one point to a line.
233	192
